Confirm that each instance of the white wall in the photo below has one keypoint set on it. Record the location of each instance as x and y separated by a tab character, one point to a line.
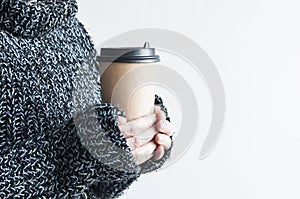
255	46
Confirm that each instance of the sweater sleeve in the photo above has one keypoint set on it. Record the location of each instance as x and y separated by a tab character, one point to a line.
100	135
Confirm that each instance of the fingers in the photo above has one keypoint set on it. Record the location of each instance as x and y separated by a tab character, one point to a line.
144	153
162	124
163	140
150	149
158	153
142	138
147	136
136	126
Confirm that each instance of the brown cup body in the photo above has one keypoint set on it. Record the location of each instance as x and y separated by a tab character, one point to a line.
136	100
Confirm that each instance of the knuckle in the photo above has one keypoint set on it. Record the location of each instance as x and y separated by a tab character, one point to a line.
136	142
132	129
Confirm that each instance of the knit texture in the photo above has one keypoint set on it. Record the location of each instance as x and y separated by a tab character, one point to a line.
57	138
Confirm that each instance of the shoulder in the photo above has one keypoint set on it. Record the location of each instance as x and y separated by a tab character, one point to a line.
73	28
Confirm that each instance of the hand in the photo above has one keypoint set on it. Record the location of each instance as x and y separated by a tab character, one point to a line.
147	136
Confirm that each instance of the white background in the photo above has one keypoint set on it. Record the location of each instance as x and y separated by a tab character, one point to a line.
255	46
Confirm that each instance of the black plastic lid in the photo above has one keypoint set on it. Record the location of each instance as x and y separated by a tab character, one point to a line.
129	55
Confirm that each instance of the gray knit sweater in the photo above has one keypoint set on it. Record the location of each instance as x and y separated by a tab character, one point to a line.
57	139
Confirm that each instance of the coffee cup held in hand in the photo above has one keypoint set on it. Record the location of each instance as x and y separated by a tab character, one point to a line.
117	63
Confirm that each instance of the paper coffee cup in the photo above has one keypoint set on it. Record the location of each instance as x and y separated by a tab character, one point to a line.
120	86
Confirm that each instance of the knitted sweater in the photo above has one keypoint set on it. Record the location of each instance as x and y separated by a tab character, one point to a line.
57	139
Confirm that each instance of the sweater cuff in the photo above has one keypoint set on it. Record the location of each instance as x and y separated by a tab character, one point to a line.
152	165
99	133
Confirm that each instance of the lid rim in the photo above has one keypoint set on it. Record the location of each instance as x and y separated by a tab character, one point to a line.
126	60
129	54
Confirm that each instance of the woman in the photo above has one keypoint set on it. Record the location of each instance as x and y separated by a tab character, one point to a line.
57	140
